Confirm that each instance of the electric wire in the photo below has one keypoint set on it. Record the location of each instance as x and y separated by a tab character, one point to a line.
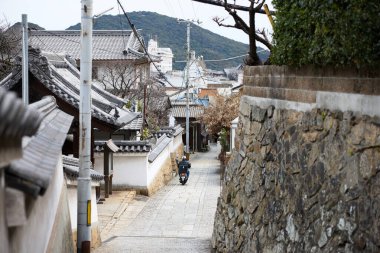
142	44
180	7
195	14
121	26
229	58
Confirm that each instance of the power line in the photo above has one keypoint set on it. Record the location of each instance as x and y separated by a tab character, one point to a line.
180	6
226	59
195	14
121	26
142	44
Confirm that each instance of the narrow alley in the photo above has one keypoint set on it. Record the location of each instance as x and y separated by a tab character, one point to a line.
176	219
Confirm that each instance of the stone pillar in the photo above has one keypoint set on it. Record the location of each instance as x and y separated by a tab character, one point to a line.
234	124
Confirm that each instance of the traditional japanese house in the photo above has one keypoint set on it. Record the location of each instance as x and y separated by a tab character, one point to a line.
197	133
110	48
57	75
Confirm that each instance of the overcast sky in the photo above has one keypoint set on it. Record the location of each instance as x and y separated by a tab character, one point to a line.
60	14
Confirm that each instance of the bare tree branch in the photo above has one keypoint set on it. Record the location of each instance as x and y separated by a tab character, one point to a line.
260	36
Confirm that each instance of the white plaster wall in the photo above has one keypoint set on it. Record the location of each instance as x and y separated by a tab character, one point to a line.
130	169
177	142
72	194
278	103
99	162
157	164
35	234
363	104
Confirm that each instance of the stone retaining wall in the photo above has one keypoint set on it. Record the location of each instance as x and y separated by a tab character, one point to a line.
304	179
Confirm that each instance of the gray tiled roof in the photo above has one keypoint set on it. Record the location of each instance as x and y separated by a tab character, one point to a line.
16	121
135	124
99	145
32	173
71	169
161	144
179	111
169	131
178	129
126	146
58	75
107	45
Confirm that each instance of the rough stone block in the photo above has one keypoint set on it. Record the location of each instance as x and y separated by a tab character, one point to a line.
258	114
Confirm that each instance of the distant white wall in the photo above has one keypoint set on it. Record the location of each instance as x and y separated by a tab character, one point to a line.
133	170
130	170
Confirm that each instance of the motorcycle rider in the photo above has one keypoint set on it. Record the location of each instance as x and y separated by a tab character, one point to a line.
184	165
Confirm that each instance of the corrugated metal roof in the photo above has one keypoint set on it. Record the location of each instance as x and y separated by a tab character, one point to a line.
32	173
107	45
179	111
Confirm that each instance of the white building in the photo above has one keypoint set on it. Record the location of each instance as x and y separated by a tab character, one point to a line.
165	54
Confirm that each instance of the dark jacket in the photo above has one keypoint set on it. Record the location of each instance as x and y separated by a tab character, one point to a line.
183	165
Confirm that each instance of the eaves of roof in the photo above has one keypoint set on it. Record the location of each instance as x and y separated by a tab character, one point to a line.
179	111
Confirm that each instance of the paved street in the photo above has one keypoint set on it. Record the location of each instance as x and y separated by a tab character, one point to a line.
176	219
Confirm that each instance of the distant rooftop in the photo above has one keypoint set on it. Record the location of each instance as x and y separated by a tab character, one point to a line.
107	44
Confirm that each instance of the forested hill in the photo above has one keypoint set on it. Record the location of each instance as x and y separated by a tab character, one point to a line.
173	34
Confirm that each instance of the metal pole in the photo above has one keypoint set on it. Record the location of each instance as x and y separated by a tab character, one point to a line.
25	76
187	90
84	179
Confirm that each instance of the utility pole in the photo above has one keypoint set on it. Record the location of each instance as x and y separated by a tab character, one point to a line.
187	151
84	179
25	61
187	93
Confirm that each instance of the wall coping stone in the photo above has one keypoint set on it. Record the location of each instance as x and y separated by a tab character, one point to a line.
303	89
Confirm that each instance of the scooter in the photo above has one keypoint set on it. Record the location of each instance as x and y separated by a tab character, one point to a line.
183	177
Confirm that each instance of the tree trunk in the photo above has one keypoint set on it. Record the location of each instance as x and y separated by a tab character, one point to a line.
253	58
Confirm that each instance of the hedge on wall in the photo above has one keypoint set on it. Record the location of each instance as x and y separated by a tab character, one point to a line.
327	33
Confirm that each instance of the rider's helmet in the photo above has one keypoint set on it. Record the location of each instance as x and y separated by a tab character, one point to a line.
184	157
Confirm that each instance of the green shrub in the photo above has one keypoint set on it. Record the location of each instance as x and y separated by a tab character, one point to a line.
327	33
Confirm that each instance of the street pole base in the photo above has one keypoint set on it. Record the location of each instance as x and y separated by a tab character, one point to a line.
86	247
